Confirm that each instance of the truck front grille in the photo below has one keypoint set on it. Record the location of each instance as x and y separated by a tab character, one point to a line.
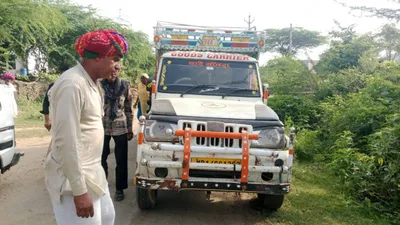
214	142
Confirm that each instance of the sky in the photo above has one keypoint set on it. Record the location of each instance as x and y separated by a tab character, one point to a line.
318	15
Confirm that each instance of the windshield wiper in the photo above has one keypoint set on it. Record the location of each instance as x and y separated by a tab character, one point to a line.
198	86
235	90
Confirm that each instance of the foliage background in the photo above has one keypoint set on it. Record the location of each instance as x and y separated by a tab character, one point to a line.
53	26
347	114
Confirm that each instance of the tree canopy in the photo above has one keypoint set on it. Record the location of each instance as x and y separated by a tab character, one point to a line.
278	40
25	24
53	27
389	40
347	50
384	13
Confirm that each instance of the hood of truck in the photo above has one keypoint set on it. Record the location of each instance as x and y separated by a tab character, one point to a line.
213	108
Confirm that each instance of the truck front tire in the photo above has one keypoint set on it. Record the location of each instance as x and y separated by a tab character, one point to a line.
146	198
271	202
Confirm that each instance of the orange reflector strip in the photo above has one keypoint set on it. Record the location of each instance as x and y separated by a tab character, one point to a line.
213	134
153	88
186	154
291	152
266	94
245	157
140	138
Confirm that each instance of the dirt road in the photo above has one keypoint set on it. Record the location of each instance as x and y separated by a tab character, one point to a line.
24	199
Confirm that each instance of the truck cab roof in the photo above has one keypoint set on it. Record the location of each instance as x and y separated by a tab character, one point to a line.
181	37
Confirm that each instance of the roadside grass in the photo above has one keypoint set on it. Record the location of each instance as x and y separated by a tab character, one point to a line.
316	199
29	122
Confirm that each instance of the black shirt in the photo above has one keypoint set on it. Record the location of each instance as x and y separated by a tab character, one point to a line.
46	103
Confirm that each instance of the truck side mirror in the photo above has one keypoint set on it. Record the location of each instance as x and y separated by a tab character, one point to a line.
265	93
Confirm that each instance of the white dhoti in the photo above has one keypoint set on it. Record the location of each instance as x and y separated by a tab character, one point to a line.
104	213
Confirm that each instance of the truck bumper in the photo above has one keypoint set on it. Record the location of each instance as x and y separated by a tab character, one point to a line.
168	159
14	161
212	185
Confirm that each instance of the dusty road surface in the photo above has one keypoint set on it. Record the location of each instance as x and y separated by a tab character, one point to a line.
24	199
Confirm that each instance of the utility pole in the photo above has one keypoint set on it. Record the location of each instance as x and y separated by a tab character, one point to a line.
249	22
290	39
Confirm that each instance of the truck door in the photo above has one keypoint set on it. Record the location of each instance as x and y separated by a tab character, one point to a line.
7	138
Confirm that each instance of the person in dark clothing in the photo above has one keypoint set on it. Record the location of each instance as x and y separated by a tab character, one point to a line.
117	122
45	109
46	105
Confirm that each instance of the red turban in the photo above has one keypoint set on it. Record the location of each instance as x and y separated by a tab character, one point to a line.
101	43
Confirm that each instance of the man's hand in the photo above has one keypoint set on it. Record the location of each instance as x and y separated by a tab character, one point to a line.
84	206
47	122
130	134
48	125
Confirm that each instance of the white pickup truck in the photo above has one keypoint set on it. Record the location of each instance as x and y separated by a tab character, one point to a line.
209	127
8	155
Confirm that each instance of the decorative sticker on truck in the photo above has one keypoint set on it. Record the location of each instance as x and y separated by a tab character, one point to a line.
209	64
222	56
209	41
164	70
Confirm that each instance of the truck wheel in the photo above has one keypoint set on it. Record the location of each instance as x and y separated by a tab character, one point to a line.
146	198
271	202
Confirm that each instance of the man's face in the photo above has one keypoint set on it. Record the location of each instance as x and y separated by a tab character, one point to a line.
115	73
108	66
143	80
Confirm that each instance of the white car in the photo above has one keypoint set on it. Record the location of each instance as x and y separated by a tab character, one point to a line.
8	155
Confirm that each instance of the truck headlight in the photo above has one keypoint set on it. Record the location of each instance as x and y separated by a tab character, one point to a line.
270	138
156	131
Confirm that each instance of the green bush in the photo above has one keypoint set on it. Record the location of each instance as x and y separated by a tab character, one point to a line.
358	138
47	78
302	111
351	126
22	78
308	145
287	76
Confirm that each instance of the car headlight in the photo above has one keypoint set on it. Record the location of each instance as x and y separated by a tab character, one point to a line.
156	131
270	138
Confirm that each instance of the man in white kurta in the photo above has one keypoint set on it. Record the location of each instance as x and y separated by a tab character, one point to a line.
74	176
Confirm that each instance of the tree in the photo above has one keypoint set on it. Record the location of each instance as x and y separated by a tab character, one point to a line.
84	19
286	75
389	40
384	13
347	51
25	25
278	40
344	34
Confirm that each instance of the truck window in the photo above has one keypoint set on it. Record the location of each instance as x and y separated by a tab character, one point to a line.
179	75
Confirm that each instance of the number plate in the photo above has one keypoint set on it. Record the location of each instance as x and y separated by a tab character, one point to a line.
216	126
209	41
216	160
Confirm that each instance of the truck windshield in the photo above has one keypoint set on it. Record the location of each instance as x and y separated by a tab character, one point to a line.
209	77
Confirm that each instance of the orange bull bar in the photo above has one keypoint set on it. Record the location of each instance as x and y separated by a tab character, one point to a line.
189	133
